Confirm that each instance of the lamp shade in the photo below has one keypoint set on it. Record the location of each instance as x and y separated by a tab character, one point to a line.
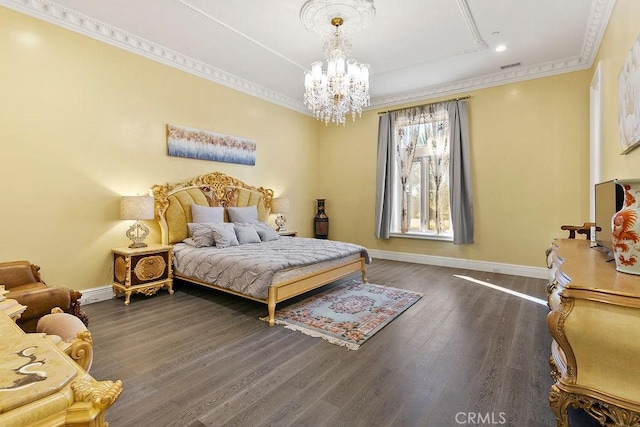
136	207
280	205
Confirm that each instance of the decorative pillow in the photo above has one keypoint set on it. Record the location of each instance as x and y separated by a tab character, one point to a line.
247	234
265	231
189	241
201	234
244	214
202	214
224	234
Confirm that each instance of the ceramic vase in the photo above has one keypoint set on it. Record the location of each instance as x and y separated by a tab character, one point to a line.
321	221
625	228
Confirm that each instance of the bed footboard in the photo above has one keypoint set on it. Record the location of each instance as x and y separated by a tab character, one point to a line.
285	290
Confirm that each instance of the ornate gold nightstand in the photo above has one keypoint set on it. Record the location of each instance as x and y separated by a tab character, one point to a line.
142	270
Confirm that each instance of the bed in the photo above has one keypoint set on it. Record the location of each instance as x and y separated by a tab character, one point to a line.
269	271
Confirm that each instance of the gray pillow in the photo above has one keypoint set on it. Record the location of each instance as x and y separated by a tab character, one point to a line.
203	214
189	241
224	234
201	234
265	231
244	214
247	234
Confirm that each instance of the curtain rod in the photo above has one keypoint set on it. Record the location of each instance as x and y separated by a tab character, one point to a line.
439	102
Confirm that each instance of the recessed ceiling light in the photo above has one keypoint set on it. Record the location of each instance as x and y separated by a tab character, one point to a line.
501	48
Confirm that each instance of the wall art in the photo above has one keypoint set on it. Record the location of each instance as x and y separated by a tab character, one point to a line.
629	100
204	145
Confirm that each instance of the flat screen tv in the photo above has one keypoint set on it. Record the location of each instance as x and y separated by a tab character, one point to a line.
608	198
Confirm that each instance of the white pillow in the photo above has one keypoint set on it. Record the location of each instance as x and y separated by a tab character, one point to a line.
247	233
265	231
224	234
243	214
203	214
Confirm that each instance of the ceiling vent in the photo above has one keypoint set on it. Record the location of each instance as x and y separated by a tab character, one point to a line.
506	67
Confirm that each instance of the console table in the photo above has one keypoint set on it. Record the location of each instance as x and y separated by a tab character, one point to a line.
41	386
595	326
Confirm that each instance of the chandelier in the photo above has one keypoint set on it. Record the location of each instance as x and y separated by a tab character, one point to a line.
340	90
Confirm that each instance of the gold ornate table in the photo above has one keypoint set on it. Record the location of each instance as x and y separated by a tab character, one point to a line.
595	326
41	386
142	270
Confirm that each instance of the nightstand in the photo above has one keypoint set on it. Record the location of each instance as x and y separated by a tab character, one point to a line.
290	233
142	270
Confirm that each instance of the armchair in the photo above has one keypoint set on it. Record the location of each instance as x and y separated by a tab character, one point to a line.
22	280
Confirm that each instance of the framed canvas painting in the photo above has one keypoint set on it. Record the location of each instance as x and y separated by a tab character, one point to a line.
629	100
200	144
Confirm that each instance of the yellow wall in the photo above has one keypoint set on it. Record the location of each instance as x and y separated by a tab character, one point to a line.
530	163
622	32
84	122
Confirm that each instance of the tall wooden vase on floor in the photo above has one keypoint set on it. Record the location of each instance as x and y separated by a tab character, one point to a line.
321	221
626	228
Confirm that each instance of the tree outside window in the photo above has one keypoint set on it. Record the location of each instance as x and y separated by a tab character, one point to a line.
421	199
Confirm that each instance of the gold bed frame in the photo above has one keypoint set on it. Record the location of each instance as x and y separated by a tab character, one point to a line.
173	212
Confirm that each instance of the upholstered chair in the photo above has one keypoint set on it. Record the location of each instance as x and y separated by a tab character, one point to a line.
22	280
69	334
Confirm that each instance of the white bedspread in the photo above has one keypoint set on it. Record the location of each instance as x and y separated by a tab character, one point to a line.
249	268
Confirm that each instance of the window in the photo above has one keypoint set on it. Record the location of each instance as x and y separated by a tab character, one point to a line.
414	197
420	190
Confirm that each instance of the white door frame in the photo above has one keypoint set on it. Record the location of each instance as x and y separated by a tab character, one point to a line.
595	139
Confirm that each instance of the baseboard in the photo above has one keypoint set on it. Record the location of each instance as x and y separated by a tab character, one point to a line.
492	267
101	293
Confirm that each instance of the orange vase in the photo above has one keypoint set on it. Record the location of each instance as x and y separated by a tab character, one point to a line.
626	228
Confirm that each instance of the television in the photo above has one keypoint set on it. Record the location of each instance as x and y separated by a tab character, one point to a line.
609	198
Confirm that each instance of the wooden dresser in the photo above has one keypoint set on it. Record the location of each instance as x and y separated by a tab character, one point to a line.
595	326
41	386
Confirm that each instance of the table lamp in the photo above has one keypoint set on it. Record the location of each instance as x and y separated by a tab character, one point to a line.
137	207
280	206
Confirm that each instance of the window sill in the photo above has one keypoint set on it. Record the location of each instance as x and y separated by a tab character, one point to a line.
423	236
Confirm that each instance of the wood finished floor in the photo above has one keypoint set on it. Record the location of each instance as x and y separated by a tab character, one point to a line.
202	358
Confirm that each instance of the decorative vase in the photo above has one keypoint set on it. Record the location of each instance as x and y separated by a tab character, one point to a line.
321	221
626	228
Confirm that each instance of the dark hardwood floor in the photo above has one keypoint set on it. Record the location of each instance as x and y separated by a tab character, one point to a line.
199	357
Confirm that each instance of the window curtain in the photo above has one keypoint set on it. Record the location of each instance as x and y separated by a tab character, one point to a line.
386	126
461	195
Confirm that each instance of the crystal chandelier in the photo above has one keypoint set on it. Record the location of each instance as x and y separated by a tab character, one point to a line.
343	88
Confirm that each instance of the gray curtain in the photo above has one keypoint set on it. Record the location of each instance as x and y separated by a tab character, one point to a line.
386	124
461	196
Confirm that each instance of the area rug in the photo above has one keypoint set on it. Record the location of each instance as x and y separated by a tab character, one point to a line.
348	314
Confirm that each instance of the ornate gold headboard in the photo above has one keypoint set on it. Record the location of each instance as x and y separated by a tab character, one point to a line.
173	202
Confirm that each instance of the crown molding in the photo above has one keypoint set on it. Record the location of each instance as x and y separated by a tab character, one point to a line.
58	15
598	19
489	80
79	23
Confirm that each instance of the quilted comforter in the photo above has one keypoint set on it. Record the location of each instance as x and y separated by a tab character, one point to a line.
249	268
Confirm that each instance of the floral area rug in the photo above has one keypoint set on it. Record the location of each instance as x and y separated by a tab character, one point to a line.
348	314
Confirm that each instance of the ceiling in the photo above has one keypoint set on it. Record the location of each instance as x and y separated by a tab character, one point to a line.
421	49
